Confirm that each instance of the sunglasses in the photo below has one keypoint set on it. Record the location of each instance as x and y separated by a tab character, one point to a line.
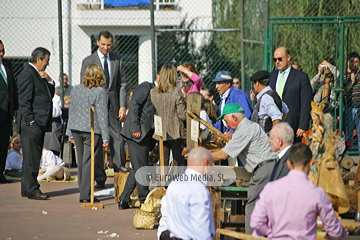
278	59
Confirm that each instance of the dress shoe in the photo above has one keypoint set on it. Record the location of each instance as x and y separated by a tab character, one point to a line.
124	169
88	200
4	180
123	205
100	185
39	196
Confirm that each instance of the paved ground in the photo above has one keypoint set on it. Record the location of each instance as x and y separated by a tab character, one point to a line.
22	218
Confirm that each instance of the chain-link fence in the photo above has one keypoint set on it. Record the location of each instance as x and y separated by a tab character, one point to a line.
214	35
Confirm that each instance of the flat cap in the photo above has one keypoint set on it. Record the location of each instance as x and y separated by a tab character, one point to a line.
260	75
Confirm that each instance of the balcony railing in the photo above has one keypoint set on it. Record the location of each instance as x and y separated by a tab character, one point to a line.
143	4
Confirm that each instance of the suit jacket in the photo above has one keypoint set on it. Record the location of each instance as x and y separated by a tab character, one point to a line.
8	92
297	95
116	90
282	169
82	98
140	117
35	99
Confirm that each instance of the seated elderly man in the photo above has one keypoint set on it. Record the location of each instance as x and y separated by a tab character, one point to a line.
288	208
250	143
186	208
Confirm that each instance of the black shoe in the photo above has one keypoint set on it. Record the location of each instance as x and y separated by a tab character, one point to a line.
123	205
124	169
4	180
39	196
100	185
88	200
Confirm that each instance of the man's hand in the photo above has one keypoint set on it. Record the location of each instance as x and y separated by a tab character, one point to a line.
136	134
72	140
228	134
300	132
122	114
43	74
352	78
105	144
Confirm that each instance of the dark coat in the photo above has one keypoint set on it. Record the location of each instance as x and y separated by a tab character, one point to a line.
8	92
140	117
297	95
35	99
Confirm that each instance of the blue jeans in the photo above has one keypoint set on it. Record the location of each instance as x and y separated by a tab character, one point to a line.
352	121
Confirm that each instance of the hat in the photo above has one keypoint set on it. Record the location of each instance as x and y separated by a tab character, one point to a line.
260	75
231	108
223	76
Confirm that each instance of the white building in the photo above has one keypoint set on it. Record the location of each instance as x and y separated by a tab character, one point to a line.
26	25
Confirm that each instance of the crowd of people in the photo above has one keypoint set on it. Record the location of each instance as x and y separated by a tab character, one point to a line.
265	139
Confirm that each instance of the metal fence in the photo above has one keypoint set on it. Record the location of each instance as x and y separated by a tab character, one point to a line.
215	35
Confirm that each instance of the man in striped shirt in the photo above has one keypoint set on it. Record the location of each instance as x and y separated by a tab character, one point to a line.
250	143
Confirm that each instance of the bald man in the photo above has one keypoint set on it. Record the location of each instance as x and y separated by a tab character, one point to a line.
281	139
293	86
186	208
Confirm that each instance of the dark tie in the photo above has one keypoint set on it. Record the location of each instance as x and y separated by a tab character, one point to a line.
276	166
106	71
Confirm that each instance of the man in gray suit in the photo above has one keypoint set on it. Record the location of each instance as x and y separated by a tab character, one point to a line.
281	139
113	67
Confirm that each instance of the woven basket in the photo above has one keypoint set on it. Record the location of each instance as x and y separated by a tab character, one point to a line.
144	220
148	208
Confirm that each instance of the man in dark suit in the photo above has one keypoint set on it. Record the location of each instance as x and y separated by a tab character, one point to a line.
113	67
8	108
281	139
138	131
36	90
293	86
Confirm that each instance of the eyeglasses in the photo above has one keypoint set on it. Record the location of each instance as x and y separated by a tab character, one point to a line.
236	83
278	59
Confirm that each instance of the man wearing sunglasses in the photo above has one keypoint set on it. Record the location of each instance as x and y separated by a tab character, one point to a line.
293	86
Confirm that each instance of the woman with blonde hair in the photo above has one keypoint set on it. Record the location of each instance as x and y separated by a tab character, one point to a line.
170	105
90	93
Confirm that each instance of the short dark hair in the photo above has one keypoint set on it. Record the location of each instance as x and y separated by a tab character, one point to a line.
105	34
264	82
209	89
300	155
39	52
353	55
1	42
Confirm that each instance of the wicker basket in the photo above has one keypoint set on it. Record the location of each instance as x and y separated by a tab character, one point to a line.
148	208
144	220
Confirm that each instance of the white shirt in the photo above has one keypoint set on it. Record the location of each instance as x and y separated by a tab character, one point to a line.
282	152
13	160
287	71
223	99
204	116
187	210
101	56
56	106
49	159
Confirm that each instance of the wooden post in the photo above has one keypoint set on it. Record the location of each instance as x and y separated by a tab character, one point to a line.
162	160
193	105
159	132
92	170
